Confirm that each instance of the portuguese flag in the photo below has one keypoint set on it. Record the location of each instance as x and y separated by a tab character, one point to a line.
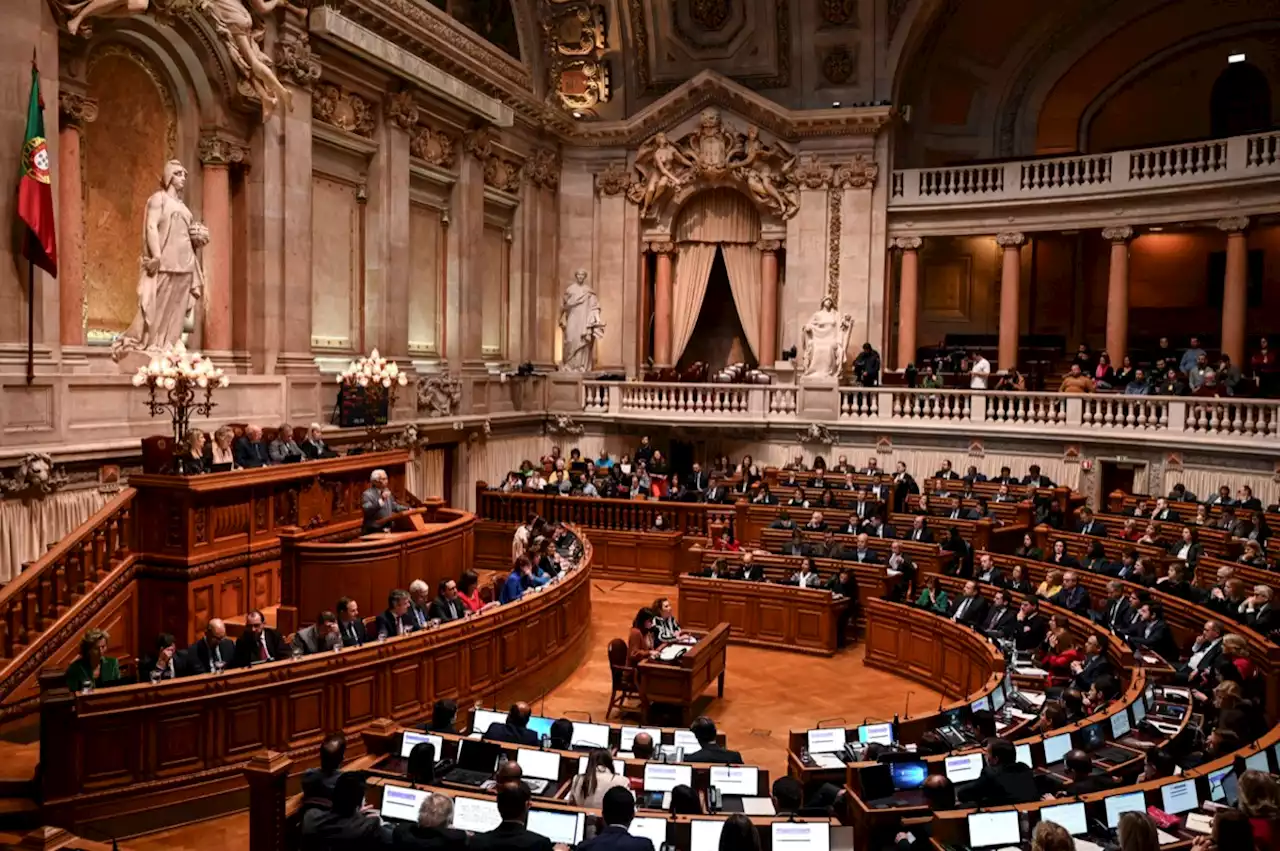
35	191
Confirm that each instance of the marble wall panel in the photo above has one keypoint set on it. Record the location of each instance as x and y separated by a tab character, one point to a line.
426	285
494	283
335	264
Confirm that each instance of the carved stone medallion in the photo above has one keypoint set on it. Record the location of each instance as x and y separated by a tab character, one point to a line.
709	14
838	65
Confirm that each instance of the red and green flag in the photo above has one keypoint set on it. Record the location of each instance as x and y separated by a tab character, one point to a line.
35	189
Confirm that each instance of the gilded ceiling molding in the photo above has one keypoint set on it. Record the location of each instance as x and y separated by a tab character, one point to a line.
574	37
343	109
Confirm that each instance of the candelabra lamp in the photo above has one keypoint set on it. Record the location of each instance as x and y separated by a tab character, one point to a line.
180	383
372	382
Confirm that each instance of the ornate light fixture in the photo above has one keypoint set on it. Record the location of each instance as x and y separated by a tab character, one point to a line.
175	379
373	379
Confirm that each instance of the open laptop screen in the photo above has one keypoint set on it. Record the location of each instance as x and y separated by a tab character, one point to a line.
653	829
590	735
478	815
1070	816
400	803
801	836
659	777
483	718
704	834
826	740
412	739
1179	797
736	780
557	826
987	830
960	769
1118	805
544	765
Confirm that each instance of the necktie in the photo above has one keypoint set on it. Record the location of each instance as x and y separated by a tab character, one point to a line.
262	649
418	614
217	652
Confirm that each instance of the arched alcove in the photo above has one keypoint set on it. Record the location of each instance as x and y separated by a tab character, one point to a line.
1241	101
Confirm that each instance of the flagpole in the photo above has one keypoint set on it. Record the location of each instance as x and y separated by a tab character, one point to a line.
31	323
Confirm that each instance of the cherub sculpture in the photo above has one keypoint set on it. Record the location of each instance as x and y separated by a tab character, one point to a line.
663	168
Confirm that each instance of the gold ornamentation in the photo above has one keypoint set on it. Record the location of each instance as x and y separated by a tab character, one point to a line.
218	150
574	33
76	110
544	169
811	173
402	110
839	65
614	180
343	109
296	64
835	200
433	146
860	173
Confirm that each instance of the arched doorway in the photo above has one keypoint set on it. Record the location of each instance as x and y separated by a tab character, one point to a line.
1240	102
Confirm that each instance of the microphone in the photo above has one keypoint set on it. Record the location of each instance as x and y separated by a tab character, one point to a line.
941	700
905	709
828	721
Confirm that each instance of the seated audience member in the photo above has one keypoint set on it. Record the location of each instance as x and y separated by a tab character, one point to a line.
1096	561
560	736
1188	548
1234	829
787	795
378	503
1061	653
514	801
219	454
1079	766
444	717
1031	628
520	578
796	546
751	571
1095	664
862	552
168	662
313	446
1149	631
1017	581
1090	526
588	789
1052	716
816	523
350	624
934	597
1050	585
396	619
685	802
1073	597
640	641
346	824
191	457
704	730
642	746
1259	610
469	591
1205	652
433	831
1163	512
421	766
1003	780
1260	803
920	530
419	613
877	528
1001	617
806	576
718	569
1028	549
987	570
284	448
1035	479
1158	765
666	627
516	728
446	606
1075	381
971	609
715	492
1051	836
318	783
321	636
213	650
1059	556
258	642
1175	583
248	449
618	809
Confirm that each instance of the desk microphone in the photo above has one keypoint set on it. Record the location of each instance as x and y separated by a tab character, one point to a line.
905	709
941	700
829	720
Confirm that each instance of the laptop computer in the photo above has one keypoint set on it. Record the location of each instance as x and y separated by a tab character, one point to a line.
659	780
540	769
734	783
994	830
477	815
402	804
1072	817
559	827
477	761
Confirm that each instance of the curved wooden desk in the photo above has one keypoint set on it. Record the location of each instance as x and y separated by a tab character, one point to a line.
122	758
781	617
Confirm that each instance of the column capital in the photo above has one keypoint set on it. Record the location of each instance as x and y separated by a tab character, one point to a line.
769	245
76	110
401	109
220	151
664	247
906	243
1233	224
1119	233
1010	239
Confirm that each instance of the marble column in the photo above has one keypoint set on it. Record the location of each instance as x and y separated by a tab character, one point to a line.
74	111
1118	292
662	295
217	155
1010	273
908	298
1235	295
768	353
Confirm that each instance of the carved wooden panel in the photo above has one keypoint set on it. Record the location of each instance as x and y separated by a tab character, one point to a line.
407	689
810	627
178	743
772	620
447	673
232	595
304	715
509	653
954	669
734	611
116	759
358	700
244	727
948	286
480	663
534	640
263	582
695	609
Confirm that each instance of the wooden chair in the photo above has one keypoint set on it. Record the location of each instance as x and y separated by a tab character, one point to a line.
624	680
157	454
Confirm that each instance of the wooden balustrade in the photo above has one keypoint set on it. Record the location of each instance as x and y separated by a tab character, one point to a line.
624	515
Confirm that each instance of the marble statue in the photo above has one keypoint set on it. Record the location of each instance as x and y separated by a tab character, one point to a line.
657	162
580	321
826	337
171	274
765	170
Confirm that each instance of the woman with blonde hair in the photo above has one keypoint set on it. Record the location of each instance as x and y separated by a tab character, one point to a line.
1051	585
1051	836
1235	649
1260	801
1137	832
220	451
94	668
191	459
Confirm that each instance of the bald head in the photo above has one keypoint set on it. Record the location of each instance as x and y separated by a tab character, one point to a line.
508	772
215	630
518	714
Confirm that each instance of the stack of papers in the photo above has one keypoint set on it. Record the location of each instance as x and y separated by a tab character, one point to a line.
826	760
1165	839
1030	671
758	807
1199	823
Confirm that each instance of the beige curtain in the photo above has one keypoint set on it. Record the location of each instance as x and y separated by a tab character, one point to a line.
693	269
719	215
28	529
424	475
1204	482
742	262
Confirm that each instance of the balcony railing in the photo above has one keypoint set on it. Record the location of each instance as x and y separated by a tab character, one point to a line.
1216	161
1225	421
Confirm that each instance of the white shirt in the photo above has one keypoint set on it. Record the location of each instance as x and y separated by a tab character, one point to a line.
1194	661
981	369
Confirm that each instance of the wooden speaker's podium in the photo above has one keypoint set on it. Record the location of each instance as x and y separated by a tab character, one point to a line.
409	521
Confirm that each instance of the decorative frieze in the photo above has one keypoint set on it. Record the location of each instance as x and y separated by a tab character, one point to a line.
500	172
433	146
860	173
402	110
543	169
811	173
835	201
343	109
575	37
76	110
219	150
614	180
295	63
840	65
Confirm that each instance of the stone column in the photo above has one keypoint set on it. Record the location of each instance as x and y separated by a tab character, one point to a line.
662	294
1118	292
217	154
908	298
74	111
1235	295
768	301
1010	273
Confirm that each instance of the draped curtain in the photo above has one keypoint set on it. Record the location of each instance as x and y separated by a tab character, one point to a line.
693	270
718	215
28	529
742	262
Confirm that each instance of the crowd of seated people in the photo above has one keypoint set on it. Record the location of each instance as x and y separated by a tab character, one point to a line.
201	453
1240	515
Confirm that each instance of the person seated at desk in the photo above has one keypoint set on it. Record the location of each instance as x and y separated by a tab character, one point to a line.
1089	525
960	561
560	735
618	809
816	523
444	717
350	624
1004	495
1050	585
959	512
988	571
1080	774
346	824
1035	479
704	730
877	528
1205	652
1072	596
1061	557
934	597
218	454
796	546
1175	583
1163	512
1001	617
920	530
1061	653
1259	611
284	449
1031	627
1095	664
396	620
589	788
516	728
313	446
214	650
1149	631
469	592
798	499
518	581
318	783
190	460
665	627
752	572
432	831
783	520
1017	581
718	569
420	604
248	449
168	662
862	552
258	642
1188	549
806	576
447	606
321	636
716	492
1003	779
971	610
378	503
1028	549
640	641
514	801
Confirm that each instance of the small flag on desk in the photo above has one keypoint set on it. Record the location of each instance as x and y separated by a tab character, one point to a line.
35	187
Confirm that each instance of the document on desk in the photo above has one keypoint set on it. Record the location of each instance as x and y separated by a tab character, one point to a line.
826	760
758	807
1199	823
1030	671
1020	715
1165	838
672	652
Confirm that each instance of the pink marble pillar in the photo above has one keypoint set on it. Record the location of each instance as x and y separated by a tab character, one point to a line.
216	157
908	298
1010	282
1235	288
1118	292
662	296
768	353
74	111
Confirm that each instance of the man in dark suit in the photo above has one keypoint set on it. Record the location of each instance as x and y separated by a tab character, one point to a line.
447	607
167	663
1080	772
863	507
851	526
350	624
321	636
959	512
877	528
1116	613
716	492
318	783
1090	526
1249	502
862	553
617	809
248	450
972	608
258	642
1003	780
752	572
346	824
1151	632
1073	597
1260	611
1006	477
1035	479
1000	617
1031	627
988	572
396	620
697	480
1163	512
1205	653
514	801
432	832
213	647
515	729
704	730
1095	665
946	472
920	530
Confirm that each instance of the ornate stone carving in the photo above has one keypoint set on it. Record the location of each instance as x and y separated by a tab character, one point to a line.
839	65
580	324
35	476
434	146
811	173
614	180
693	35
343	109
76	110
503	174
575	36
1122	233
439	394
861	173
817	433
907	243
563	424
768	245
402	110
835	202
1233	224
1010	239
665	247
709	14
826	339
838	13
714	154
543	169
478	142
218	150
295	62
